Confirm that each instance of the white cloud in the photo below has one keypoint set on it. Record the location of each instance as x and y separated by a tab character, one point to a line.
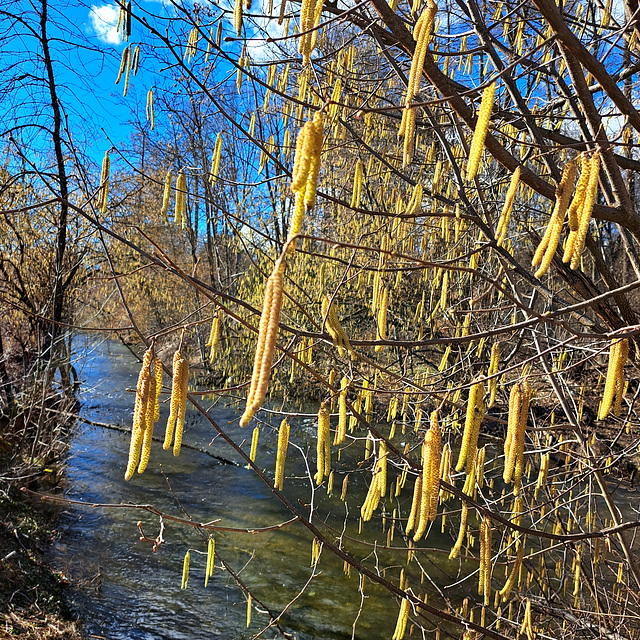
104	20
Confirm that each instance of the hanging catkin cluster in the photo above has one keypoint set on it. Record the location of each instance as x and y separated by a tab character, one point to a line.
480	132
519	399
179	382
334	327
421	33
547	247
145	413
306	169
580	210
266	345
426	507
310	14
614	386
378	486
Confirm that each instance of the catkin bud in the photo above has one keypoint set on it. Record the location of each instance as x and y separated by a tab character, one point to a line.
254	444
341	431
185	571
480	132
166	196
150	111
283	443
484	584
181	199
505	216
474	417
211	554
104	183
215	160
323	451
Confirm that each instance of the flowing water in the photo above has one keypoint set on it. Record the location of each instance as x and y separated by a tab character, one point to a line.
128	591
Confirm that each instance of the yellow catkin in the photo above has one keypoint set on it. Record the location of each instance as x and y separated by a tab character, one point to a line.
322	444
281	456
515	570
254	444
547	247
237	17
104	183
516	427
474	417
214	337
527	625
249	607
455	551
480	132
505	216
124	61
333	326
494	367
403	616
184	382
586	210
484	583
181	199
421	33
618	354
166	197
211	554
416	504
431	459
306	169
575	209
150	110
341	431
382	468
177	398
265	347
215	160
139	414
150	421
185	571
382	318
357	185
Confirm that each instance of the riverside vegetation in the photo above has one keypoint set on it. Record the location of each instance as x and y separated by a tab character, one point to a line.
424	218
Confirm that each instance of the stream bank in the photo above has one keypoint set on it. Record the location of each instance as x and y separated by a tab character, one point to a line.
33	596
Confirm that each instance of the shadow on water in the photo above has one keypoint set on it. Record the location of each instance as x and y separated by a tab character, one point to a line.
127	591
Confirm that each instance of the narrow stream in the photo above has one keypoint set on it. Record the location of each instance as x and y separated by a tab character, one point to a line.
128	591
